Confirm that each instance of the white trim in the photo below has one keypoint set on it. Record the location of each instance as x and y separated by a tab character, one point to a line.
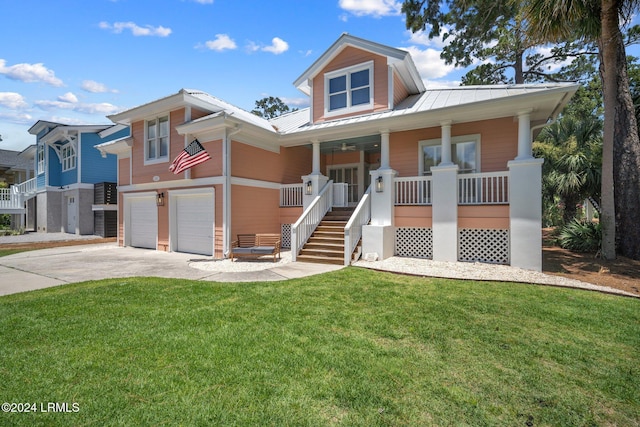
215	180
476	137
347	72
104	208
246	182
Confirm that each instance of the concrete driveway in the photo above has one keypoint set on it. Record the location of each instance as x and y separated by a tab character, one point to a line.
43	268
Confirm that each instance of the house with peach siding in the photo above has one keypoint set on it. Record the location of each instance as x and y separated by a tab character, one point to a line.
377	166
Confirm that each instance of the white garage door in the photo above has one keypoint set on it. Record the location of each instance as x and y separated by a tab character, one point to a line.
144	222
194	223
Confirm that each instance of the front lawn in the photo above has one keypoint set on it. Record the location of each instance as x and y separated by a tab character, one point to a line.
354	347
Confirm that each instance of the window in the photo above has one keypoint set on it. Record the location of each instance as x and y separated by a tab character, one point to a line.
465	152
40	159
68	157
349	90
157	137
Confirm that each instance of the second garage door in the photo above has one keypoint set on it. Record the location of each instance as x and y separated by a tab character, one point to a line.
194	223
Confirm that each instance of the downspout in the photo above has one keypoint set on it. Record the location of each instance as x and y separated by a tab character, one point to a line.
226	189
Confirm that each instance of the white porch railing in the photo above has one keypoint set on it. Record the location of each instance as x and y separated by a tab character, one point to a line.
10	200
290	195
310	218
489	188
413	190
353	230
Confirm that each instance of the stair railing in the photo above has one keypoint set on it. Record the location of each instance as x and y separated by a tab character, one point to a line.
310	218
353	230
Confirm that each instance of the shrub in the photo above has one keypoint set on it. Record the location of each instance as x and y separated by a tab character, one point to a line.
581	236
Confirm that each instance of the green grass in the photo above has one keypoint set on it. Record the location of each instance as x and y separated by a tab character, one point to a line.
354	347
6	252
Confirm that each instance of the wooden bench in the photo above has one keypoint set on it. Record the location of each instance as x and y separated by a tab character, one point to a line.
255	246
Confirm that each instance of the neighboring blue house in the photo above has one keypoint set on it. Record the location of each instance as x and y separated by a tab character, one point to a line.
67	171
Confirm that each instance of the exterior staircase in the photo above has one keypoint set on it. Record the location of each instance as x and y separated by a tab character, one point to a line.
326	244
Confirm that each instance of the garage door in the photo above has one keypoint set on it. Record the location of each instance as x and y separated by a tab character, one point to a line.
194	223
144	222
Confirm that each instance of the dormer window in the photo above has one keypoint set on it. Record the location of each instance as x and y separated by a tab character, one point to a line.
349	90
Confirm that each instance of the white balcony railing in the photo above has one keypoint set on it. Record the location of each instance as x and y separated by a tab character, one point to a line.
27	187
414	190
311	217
353	230
290	195
489	188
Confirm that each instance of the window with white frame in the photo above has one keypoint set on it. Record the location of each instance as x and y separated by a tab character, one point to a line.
465	152
40	159
349	89
157	139
68	157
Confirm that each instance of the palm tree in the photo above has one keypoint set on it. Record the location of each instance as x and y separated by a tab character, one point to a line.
598	20
572	150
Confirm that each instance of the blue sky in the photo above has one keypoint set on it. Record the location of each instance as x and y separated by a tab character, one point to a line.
77	61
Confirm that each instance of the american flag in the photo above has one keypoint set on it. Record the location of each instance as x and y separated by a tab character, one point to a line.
193	155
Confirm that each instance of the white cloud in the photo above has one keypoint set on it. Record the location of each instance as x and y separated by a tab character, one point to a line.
68	97
375	8
204	1
16	117
552	66
136	30
428	62
221	43
296	102
30	73
422	38
69	101
277	47
252	47
12	100
95	87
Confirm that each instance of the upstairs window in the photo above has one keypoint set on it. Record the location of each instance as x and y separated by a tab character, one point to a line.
349	89
157	140
68	158
40	159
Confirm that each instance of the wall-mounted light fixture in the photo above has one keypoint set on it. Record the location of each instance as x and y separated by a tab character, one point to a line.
160	199
308	190
379	184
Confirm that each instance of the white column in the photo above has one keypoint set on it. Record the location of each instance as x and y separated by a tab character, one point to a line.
378	238
316	180
524	135
445	129
384	149
445	212
315	169
525	213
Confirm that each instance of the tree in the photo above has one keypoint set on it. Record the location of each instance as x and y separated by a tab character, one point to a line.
492	31
598	21
271	107
572	149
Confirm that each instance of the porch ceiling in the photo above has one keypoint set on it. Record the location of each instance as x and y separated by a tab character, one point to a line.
368	144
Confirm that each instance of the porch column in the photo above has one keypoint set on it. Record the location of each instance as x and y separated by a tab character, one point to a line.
524	135
384	149
313	183
445	129
525	213
378	238
445	212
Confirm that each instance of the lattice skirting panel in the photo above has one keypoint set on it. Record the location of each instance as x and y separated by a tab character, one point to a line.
285	236
483	245
414	242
